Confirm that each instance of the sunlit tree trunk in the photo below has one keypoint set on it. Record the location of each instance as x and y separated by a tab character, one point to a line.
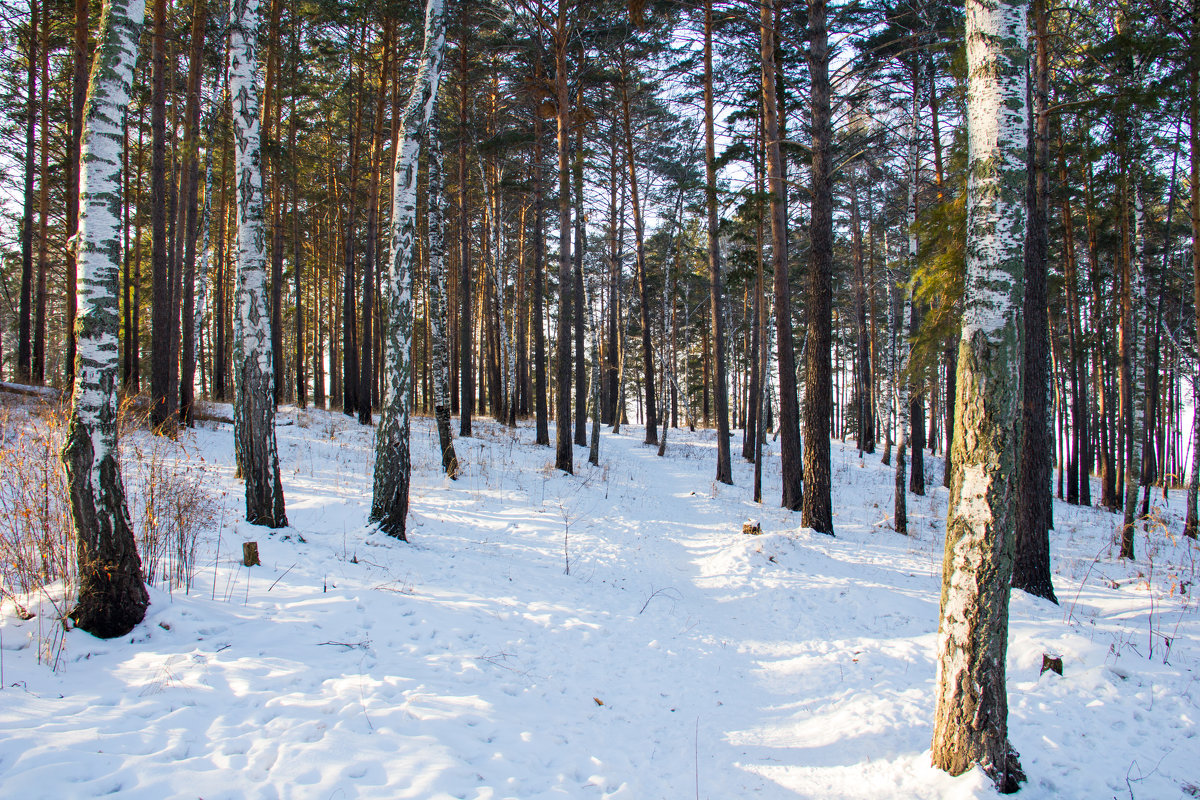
112	598
253	372
389	503
971	718
724	469
789	411
437	301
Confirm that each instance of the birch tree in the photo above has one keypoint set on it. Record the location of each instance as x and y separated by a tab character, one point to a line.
971	720
253	369
389	504
112	597
440	343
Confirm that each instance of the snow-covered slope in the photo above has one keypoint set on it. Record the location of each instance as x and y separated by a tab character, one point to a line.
676	658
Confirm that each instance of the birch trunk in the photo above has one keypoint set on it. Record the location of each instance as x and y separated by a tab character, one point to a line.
112	598
971	720
389	504
437	302
253	370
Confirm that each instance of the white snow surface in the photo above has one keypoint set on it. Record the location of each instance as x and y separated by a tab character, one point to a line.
679	658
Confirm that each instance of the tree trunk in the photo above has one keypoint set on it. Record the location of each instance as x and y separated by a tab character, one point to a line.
971	719
253	372
1191	525
190	199
465	316
389	503
563	455
79	80
541	411
25	307
818	401
437	301
724	469
160	333
1031	571
643	279
581	311
112	598
789	411
366	370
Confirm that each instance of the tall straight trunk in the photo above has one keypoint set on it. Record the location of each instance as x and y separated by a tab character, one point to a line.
818	400
1133	309
43	261
789	411
465	345
221	314
581	313
611	350
79	81
389	502
160	333
971	719
253	372
366	370
1098	325
189	200
25	307
643	280
111	597
350	340
1080	467
43	204
564	457
297	250
750	448
864	399
1191	524
541	410
274	191
437	301
1031	571
724	469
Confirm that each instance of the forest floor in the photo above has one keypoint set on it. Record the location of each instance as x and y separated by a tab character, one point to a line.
611	634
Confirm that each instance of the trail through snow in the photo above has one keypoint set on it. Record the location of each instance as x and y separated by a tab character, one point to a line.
678	658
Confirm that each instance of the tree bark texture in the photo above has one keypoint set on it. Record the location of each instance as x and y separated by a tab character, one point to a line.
971	717
253	372
818	400
789	411
112	598
389	503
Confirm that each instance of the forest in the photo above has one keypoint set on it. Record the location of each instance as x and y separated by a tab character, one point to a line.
961	239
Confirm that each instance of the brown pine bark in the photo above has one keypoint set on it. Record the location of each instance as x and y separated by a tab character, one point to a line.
789	411
724	469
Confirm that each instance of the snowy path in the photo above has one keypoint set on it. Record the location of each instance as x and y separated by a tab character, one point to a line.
678	659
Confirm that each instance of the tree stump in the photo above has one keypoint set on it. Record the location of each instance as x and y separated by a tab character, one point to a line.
250	554
751	527
1052	663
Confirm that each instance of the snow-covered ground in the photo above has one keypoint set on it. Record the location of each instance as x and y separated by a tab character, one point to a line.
675	658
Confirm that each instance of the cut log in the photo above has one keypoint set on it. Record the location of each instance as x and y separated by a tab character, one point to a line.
250	554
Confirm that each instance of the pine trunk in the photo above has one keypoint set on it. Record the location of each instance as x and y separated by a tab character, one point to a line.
818	400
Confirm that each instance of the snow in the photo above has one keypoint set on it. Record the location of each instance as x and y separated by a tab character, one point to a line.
678	658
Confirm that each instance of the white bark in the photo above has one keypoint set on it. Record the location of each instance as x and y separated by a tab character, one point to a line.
389	504
253	370
112	598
